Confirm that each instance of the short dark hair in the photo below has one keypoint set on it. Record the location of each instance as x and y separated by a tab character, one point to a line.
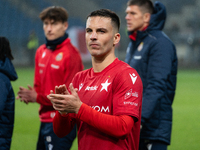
145	4
108	14
5	50
54	13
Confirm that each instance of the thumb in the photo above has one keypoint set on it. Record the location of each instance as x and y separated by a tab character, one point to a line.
73	91
30	87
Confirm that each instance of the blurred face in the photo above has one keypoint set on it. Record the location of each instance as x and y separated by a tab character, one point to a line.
54	30
135	18
100	36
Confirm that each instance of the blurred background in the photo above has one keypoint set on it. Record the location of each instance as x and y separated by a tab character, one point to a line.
20	24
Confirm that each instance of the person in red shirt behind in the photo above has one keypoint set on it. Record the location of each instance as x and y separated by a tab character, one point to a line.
105	100
56	62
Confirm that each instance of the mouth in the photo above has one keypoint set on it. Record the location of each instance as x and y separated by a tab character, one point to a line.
94	45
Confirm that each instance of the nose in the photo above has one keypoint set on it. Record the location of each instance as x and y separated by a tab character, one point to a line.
49	27
93	36
127	16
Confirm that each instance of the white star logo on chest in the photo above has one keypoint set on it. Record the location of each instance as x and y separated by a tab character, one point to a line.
105	86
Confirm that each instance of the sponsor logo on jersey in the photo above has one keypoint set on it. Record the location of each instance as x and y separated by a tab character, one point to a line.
133	77
92	88
105	86
130	103
140	47
59	56
130	93
55	66
101	108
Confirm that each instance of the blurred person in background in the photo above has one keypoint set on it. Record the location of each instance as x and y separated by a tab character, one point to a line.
7	97
32	46
56	62
106	101
154	57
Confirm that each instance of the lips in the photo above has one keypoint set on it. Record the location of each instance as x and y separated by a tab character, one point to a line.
94	45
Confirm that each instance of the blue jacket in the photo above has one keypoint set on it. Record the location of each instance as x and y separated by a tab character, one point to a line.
154	57
7	103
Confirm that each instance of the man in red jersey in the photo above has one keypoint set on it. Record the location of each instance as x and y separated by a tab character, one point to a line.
56	62
105	101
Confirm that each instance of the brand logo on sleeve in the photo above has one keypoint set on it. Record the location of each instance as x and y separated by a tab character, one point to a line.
43	54
80	86
133	77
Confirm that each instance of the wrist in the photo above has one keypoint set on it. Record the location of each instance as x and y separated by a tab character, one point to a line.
63	113
79	107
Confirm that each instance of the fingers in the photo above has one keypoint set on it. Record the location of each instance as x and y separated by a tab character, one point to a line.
30	87
61	89
73	91
51	92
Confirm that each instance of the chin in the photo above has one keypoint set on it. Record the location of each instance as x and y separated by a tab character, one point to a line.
51	38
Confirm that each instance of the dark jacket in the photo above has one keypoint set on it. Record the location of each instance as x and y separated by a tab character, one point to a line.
7	103
154	57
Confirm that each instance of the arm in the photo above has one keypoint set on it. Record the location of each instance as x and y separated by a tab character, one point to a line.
116	126
158	71
3	96
40	98
62	124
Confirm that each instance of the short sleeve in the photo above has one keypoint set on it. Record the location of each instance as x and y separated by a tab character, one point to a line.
127	93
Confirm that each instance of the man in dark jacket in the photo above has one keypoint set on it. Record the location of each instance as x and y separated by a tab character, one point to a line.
7	97
153	55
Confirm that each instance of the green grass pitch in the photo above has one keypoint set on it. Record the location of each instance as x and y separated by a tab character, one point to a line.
186	112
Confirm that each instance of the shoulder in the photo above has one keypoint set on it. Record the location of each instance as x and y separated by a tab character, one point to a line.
70	47
4	81
82	74
160	41
41	48
126	73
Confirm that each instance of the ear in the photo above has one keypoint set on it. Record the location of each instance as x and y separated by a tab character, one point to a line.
147	17
65	25
116	38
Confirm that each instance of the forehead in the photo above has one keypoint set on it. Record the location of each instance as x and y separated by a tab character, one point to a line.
48	20
98	22
133	8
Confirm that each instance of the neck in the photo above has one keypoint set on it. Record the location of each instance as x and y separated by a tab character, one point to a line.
99	64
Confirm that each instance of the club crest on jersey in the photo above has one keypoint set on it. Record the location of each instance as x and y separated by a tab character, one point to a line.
105	86
133	77
59	56
140	47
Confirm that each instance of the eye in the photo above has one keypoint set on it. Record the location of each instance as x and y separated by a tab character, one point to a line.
101	31
88	30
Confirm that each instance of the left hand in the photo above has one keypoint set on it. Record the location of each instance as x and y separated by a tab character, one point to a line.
63	101
27	95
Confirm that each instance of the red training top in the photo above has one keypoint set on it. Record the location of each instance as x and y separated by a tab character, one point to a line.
110	115
54	67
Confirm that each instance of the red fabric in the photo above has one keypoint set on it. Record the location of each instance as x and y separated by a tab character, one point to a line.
134	35
63	124
112	100
116	126
54	68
